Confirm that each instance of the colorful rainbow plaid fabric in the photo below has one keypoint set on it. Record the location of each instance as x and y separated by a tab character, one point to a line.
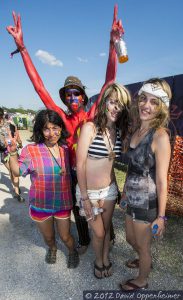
49	189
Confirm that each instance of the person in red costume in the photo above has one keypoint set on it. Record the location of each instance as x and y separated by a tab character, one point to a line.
74	96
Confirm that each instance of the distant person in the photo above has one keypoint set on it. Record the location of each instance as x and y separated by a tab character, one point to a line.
20	124
145	190
74	96
7	125
98	146
50	198
9	119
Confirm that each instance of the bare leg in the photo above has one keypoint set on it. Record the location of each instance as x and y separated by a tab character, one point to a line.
15	183
98	234
48	232
142	244
63	227
143	239
107	220
14	180
130	233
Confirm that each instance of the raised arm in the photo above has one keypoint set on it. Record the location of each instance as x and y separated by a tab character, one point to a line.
116	31
111	71
17	34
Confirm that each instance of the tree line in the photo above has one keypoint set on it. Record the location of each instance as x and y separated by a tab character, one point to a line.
20	110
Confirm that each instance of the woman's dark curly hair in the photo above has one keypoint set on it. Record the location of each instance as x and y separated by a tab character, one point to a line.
42	118
124	99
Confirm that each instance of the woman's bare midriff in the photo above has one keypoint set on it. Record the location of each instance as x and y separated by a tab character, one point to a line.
99	173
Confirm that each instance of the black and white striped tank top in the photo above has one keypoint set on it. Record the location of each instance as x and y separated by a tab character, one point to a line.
98	149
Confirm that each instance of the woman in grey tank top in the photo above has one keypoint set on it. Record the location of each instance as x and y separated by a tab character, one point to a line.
145	190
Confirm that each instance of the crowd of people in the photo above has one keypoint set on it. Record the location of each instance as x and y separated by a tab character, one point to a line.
72	171
7	125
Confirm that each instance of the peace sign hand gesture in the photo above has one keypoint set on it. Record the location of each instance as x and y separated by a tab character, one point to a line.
16	31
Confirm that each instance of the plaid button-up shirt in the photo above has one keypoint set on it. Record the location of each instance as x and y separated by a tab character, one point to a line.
49	189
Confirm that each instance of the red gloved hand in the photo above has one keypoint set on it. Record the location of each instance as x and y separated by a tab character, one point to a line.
16	32
117	28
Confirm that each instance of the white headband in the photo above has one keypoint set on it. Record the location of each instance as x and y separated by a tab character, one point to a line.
157	91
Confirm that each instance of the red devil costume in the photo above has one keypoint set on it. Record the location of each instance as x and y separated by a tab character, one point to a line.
74	100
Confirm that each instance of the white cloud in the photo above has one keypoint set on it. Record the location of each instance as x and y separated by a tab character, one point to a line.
49	59
83	60
102	54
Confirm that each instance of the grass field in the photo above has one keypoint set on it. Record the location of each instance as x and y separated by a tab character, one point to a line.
120	172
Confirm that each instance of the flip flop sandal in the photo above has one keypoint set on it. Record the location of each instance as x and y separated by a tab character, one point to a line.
133	286
107	268
99	269
51	256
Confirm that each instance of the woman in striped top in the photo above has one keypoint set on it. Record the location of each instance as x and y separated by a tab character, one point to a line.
99	144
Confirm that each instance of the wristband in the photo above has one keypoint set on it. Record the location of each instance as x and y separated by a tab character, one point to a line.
21	48
163	217
13	153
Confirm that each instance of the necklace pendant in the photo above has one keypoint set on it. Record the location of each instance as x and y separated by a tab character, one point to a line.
62	172
112	155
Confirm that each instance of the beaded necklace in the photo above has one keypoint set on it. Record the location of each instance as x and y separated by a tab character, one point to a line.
61	172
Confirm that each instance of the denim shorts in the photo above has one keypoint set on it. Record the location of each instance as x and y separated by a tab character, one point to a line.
142	215
107	194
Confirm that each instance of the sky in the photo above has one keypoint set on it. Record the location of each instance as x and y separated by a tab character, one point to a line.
71	37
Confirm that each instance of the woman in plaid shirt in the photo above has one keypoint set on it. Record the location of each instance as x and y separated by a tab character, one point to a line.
50	198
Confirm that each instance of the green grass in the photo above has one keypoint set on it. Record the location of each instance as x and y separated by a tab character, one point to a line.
120	172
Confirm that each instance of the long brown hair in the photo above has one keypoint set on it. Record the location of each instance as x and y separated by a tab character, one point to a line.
124	99
162	118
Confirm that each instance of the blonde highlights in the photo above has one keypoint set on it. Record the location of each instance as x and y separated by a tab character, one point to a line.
162	117
124	99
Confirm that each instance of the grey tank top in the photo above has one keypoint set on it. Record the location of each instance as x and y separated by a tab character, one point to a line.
140	186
